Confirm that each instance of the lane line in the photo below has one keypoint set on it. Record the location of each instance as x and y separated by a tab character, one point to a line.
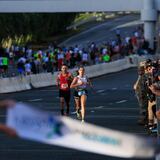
99	107
112	116
35	100
113	108
114	88
73	112
45	90
122	101
100	91
2	115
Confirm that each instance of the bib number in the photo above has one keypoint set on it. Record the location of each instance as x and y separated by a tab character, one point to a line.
64	86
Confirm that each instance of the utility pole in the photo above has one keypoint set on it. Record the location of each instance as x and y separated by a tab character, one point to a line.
158	34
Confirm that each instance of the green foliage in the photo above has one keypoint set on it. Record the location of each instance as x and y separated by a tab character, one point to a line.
21	28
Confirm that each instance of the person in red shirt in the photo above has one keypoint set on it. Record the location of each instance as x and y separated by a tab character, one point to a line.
63	82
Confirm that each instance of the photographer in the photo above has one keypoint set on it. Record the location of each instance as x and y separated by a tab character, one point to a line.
141	94
151	70
155	88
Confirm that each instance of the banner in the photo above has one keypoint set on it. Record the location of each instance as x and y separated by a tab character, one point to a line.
45	127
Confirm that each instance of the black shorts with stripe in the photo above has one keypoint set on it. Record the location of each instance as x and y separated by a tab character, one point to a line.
66	94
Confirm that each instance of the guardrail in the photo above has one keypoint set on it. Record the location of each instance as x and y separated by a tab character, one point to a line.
18	83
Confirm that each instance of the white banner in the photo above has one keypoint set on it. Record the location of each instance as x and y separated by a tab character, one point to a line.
44	127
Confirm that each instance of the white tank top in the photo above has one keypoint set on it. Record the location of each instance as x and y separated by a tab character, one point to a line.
84	80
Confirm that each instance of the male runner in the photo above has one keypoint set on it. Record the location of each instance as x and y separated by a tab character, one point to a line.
63	81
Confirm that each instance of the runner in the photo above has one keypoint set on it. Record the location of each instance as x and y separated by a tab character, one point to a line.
76	98
80	83
63	81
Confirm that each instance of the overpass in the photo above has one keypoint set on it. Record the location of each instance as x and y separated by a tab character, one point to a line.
148	8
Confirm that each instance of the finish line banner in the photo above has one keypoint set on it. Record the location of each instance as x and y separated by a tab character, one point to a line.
44	127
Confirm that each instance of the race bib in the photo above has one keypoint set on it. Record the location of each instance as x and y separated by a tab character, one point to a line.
64	86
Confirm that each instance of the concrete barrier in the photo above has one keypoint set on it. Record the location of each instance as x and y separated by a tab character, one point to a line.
101	69
42	80
14	84
8	85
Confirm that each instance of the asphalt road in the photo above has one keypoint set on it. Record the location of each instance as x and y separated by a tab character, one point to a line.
112	106
105	31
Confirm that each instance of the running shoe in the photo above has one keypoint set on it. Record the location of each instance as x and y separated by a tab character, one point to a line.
78	114
154	130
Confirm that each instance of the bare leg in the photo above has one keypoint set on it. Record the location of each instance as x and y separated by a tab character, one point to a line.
83	105
77	103
78	107
62	105
68	107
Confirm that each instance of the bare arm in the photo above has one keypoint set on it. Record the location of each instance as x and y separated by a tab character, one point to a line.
57	80
154	90
6	103
9	131
74	83
4	128
90	83
135	87
158	115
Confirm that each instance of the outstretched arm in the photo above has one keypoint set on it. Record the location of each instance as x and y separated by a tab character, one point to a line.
154	90
6	103
3	127
74	83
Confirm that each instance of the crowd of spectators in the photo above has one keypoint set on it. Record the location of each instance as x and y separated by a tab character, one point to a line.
147	88
30	61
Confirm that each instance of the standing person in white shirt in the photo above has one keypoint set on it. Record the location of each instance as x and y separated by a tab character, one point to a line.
85	58
27	68
80	84
1	66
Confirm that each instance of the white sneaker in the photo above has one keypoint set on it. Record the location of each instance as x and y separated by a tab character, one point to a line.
78	115
82	121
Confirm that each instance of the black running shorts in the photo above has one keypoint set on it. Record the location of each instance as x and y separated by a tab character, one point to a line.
66	94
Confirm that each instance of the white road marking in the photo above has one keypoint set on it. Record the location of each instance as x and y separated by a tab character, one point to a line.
48	90
100	91
35	100
123	101
113	108
128	24
114	88
2	115
103	94
99	107
73	112
92	111
112	116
